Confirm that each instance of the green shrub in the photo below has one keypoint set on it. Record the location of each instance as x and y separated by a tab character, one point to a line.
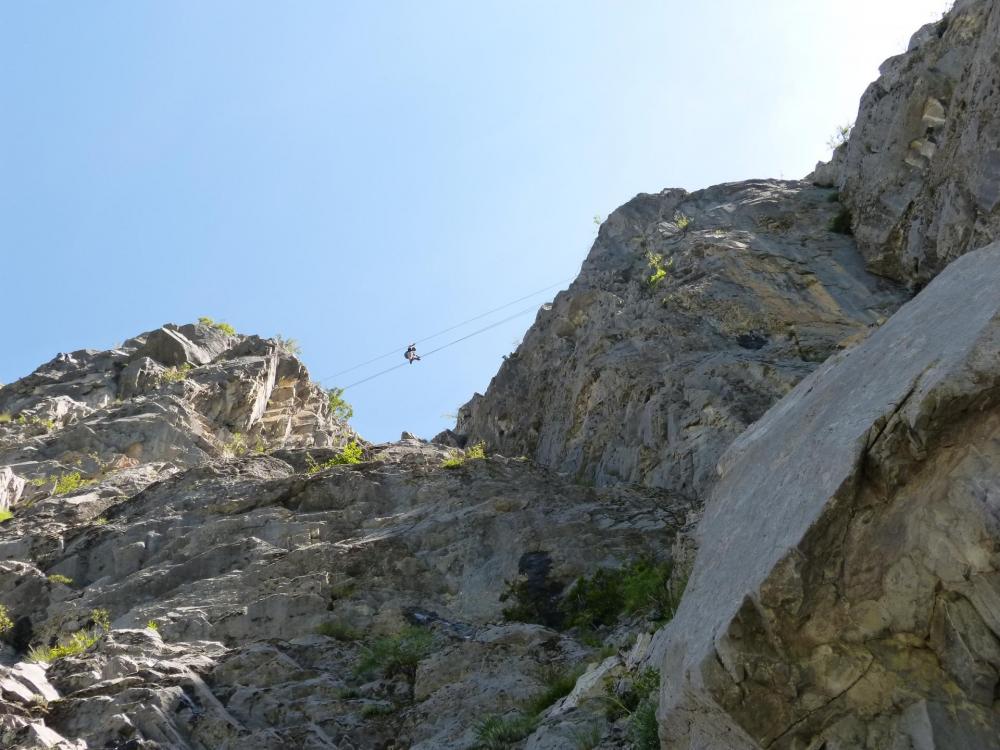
644	730
833	197
352	453
338	631
558	684
5	417
218	325
47	424
682	221
643	587
152	625
587	738
6	623
288	346
67	483
60	578
175	374
840	136
398	654
458	458
841	223
500	732
656	265
79	642
5	515
100	521
340	408
372	710
237	445
101	618
625	697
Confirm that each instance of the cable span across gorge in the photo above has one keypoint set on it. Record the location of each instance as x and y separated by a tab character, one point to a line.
395	351
444	331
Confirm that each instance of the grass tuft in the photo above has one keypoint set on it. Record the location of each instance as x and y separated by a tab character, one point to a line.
500	732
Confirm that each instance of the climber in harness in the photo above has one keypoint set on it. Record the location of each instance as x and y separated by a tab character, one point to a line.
411	354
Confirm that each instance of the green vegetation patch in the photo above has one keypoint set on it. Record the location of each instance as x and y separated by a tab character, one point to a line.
500	732
60	578
5	515
841	223
340	408
644	587
6	623
175	374
558	684
218	325
352	453
77	642
458	458
338	631
397	654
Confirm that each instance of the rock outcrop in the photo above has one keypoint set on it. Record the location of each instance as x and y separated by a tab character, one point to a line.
692	314
230	595
196	554
921	171
846	586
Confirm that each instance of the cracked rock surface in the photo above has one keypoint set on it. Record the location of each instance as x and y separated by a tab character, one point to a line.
246	584
844	593
624	379
921	171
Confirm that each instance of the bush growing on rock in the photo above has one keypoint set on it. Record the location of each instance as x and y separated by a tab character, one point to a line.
60	578
558	683
457	458
77	642
5	515
340	408
338	631
175	374
288	346
237	445
6	623
500	732
397	654
352	453
644	587
218	325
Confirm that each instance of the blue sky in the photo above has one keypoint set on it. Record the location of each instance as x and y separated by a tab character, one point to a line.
359	175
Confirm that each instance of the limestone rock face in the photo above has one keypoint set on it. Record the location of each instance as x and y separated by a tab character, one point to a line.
180	394
233	595
921	174
628	379
846	586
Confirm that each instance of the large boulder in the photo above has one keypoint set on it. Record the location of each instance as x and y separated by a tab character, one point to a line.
846	593
921	173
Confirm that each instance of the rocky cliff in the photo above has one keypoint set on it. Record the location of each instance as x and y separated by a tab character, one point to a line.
845	589
921	172
192	559
196	553
693	313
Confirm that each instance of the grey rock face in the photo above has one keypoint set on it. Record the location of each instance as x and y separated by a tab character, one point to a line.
626	380
270	576
179	394
922	169
844	593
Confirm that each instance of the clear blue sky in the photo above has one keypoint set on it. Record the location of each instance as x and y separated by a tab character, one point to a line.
358	175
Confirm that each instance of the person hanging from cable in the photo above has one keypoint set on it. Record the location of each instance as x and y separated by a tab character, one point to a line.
411	354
